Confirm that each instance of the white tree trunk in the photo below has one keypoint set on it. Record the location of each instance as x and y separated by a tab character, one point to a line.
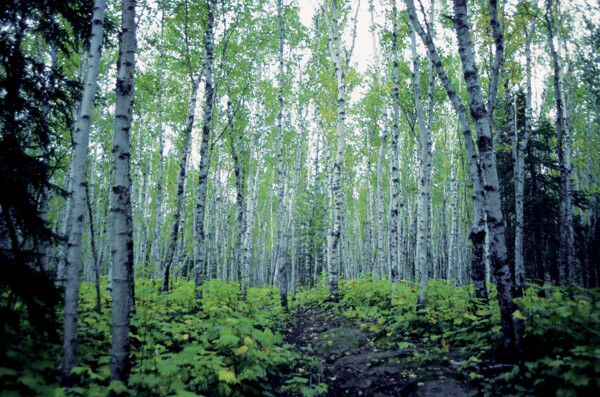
122	248
453	266
477	235
518	151
481	118
395	171
281	264
249	232
78	200
424	185
156	244
200	254
336	188
174	235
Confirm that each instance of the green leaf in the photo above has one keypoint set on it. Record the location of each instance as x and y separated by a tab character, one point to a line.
227	376
241	351
229	340
167	368
117	387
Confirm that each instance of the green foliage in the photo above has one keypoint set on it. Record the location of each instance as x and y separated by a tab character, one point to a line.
231	347
561	347
225	347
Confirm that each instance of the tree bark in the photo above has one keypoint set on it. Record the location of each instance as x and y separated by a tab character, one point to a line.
395	171
200	254
174	235
281	263
156	244
122	248
336	183
78	199
498	254
424	184
487	161
518	151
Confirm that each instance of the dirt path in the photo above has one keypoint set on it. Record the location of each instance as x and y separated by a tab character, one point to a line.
346	358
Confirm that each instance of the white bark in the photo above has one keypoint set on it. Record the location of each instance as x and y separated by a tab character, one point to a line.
122	248
518	151
453	265
424	184
395	171
281	264
200	254
249	232
481	118
174	235
78	200
477	235
336	188
156	244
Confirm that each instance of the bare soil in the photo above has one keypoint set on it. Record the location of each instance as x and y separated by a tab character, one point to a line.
351	363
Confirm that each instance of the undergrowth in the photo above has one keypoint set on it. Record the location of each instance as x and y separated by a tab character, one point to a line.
560	349
234	347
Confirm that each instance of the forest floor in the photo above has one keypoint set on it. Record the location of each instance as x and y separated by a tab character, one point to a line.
350	361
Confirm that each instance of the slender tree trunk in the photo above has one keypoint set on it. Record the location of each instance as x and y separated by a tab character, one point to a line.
174	235
200	254
453	266
122	249
249	232
395	171
94	253
424	179
518	150
78	200
564	267
336	186
281	263
156	244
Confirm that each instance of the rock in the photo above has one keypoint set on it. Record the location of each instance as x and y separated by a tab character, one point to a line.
365	360
442	387
336	342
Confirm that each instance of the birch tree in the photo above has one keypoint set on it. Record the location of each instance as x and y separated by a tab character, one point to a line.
566	259
424	186
341	70
78	200
498	254
281	253
395	171
122	248
518	153
200	249
156	243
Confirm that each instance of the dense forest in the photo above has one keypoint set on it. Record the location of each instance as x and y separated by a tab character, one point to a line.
293	197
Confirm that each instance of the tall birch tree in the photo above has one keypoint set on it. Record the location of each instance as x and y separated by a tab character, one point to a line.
498	254
200	248
341	70
424	184
281	252
395	167
122	245
78	200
